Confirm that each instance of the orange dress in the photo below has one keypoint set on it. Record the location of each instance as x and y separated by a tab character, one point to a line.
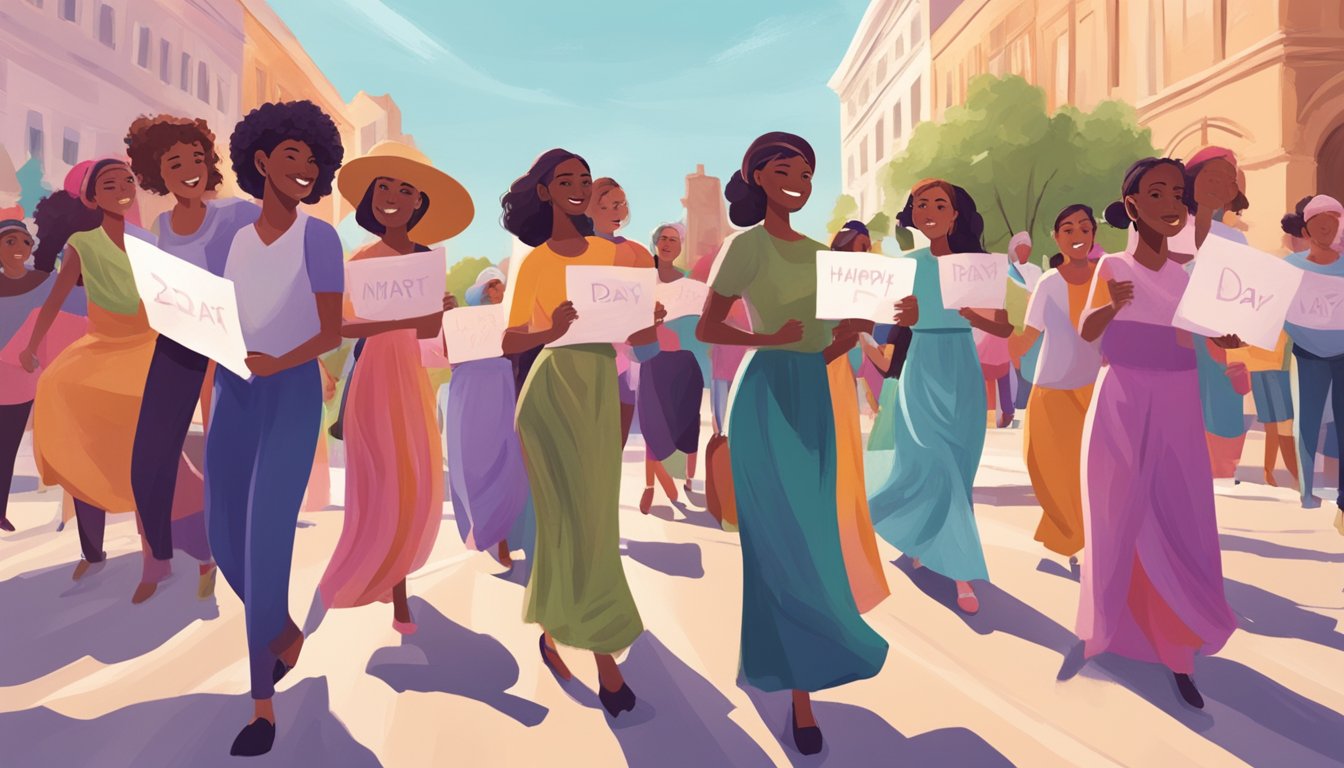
858	542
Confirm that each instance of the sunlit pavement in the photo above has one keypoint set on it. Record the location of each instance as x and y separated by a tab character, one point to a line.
88	679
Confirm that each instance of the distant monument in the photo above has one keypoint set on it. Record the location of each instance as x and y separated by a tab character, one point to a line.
706	218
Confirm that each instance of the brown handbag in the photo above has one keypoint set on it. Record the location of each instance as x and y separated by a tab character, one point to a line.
719	499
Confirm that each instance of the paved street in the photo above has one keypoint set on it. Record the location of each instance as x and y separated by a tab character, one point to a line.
88	679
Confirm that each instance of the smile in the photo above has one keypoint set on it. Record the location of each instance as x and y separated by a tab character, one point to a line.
791	193
576	201
930	223
192	182
390	211
124	201
1076	246
302	182
1171	219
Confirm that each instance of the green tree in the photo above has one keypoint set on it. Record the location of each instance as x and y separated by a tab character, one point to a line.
845	209
31	185
462	276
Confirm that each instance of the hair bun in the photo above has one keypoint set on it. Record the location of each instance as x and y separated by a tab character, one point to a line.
1117	216
1293	224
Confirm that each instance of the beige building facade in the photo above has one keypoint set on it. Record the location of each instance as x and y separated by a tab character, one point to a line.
706	218
1264	78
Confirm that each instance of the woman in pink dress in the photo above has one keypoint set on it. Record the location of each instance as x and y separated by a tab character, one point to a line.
394	461
1152	576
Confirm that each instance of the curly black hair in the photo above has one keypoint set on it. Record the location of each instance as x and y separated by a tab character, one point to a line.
149	137
1295	223
1116	214
526	216
267	126
968	231
746	199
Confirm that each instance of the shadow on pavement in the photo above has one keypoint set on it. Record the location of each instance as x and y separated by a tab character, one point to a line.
1268	549
1264	613
666	557
1005	496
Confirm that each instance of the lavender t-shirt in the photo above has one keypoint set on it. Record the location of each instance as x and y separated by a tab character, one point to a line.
208	246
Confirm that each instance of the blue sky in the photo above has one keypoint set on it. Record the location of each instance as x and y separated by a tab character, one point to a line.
644	89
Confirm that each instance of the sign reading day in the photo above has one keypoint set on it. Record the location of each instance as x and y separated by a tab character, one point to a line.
1235	289
613	303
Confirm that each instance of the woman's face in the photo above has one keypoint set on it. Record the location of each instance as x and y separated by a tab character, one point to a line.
570	189
610	211
1216	184
1159	203
185	171
668	245
787	182
291	170
860	244
15	248
395	202
933	213
1075	236
114	189
1022	253
1322	229
494	292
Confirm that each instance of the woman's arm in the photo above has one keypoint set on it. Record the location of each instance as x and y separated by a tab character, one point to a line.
60	291
1120	293
714	327
649	335
843	339
879	355
995	325
1019	344
327	338
426	326
519	339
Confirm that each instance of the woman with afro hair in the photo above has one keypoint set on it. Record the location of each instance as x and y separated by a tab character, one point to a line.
288	273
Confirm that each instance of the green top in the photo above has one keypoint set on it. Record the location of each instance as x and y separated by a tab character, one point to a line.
929	291
778	281
107	272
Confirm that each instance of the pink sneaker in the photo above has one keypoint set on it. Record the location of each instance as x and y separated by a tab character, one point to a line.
967	601
405	627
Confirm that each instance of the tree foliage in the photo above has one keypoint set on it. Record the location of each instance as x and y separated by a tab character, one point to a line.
846	207
462	276
1021	164
31	184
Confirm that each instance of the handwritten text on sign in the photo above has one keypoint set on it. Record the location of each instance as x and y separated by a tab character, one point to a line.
1319	302
1237	289
682	298
475	333
189	305
397	287
613	303
977	280
863	286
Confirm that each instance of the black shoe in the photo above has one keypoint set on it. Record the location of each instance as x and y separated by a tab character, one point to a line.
1188	691
5	525
616	702
256	739
281	669
337	431
808	740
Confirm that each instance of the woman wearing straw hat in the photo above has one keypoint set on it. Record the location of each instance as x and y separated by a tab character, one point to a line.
393	480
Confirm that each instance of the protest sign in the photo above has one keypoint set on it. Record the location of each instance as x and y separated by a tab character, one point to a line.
613	303
397	287
189	305
1319	302
1235	289
682	298
475	333
976	280
863	286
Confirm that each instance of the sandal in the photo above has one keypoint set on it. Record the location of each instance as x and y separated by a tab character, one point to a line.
968	602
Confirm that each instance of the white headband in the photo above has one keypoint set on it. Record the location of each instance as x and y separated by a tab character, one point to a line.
1322	204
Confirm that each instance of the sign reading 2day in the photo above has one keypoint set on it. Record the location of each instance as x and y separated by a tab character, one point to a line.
397	287
1236	289
975	280
613	303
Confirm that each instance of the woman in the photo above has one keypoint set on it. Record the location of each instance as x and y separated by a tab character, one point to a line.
1272	391
724	359
609	211
1319	352
801	629
176	156
1024	275
88	398
1211	188
1152	577
393	477
858	543
569	428
1065	374
923	505
289	276
671	388
485	462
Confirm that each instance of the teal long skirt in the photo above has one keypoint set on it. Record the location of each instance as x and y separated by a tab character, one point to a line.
800	627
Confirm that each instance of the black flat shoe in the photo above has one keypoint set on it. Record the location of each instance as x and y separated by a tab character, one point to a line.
1188	691
5	525
256	739
807	740
616	702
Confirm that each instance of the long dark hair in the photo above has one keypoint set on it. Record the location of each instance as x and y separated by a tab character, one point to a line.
1116	215
1072	209
365	217
60	215
1295	224
527	216
967	233
746	199
851	231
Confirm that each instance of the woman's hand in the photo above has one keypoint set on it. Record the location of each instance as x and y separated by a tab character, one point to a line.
1122	293
1240	376
788	333
262	364
449	302
427	327
28	359
563	317
1231	341
907	312
659	313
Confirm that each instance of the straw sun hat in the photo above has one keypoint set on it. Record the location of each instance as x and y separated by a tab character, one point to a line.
450	207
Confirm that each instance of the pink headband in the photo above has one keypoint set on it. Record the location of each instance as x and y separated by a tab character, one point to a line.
77	180
1322	204
1211	153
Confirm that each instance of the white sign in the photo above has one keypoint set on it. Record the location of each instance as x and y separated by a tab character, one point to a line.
865	286
976	280
613	303
1319	302
1237	289
682	298
189	305
397	287
475	333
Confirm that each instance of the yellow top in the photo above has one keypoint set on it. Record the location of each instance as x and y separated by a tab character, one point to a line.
1257	359
540	285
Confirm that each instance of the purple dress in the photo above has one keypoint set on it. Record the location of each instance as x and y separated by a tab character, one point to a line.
1152	577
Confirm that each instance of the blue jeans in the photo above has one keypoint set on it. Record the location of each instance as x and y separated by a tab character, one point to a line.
258	455
1315	377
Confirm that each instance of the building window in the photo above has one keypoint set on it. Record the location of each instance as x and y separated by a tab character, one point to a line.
1062	95
261	84
863	155
916	31
897	121
165	61
203	82
35	3
142	47
368	136
70	147
882	70
220	99
69	10
35	136
851	169
900	47
863	95
880	140
185	77
107	26
915	93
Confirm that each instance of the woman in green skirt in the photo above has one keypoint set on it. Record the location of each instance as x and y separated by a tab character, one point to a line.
569	424
801	630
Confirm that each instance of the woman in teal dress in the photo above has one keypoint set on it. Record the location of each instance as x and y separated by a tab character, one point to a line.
921	495
801	630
